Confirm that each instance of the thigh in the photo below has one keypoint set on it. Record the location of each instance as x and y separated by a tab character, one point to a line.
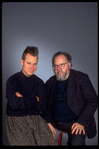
72	138
18	131
63	126
42	132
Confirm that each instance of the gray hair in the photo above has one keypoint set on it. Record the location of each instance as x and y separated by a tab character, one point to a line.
67	55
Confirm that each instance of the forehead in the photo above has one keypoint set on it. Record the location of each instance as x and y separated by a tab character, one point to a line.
31	58
60	59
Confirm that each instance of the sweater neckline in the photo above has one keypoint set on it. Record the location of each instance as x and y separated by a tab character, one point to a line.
25	77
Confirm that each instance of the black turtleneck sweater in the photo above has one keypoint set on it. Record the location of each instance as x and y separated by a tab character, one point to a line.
29	87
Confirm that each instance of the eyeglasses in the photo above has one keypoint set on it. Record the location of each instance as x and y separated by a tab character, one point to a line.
61	66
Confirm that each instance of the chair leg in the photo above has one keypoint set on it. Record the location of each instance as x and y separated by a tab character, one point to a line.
60	138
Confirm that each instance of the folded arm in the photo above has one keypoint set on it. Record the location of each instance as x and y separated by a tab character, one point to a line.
16	100
19	95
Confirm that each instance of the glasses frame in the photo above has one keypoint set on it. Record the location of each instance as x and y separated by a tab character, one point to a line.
56	66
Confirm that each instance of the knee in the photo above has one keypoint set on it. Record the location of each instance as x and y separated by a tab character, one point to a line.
76	140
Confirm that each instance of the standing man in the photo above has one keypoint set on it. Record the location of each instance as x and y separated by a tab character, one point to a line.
72	101
26	96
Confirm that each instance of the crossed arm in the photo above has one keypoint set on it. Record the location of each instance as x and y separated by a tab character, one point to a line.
19	95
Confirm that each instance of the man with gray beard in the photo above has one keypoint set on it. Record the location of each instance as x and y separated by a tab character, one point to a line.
72	101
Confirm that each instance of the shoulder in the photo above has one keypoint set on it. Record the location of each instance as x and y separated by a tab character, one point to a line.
78	73
14	77
37	79
51	79
51	82
79	76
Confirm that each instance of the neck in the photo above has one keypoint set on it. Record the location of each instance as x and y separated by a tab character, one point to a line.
26	74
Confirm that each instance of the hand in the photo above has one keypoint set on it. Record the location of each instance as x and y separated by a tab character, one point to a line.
18	94
53	130
77	128
38	99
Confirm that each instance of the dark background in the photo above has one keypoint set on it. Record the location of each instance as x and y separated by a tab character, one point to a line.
52	27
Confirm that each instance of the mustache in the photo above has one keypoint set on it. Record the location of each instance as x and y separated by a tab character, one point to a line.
59	71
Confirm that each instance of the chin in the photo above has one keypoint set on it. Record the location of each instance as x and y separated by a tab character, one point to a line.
30	74
61	77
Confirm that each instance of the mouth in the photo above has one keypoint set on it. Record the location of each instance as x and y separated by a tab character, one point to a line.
60	73
31	71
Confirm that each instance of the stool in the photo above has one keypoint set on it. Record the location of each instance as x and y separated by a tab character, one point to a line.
60	138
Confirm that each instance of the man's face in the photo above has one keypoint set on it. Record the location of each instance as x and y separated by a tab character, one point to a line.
29	65
61	73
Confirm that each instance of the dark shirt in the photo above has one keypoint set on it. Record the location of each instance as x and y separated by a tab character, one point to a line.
29	87
61	111
81	99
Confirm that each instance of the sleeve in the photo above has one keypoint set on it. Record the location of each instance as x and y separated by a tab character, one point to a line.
18	103
90	101
42	94
46	116
46	113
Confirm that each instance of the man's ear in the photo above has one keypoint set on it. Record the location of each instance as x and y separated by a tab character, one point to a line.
69	65
22	62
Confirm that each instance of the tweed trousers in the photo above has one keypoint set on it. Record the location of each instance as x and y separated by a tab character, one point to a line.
29	131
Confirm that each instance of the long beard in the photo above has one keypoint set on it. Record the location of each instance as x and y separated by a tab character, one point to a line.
62	77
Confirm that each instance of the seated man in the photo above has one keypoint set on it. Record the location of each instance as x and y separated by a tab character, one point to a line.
26	96
72	101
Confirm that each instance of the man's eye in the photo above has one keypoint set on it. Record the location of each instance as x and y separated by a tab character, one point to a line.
62	64
55	66
28	63
35	64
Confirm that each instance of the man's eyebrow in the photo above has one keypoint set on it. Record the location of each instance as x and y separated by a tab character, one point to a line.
28	62
59	64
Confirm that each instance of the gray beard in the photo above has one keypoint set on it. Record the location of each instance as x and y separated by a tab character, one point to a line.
63	77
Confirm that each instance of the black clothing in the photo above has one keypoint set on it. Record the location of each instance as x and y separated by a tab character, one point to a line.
73	139
61	111
81	99
29	87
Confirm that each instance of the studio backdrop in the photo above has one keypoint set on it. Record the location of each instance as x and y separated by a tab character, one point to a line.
52	26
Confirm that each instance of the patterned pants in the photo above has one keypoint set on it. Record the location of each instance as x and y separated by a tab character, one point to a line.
29	131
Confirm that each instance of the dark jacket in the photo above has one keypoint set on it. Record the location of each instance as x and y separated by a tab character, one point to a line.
81	99
29	87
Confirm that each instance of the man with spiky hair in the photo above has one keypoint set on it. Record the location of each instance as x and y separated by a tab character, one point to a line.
26	101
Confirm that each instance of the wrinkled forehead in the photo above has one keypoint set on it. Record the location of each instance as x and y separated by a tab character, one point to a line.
60	59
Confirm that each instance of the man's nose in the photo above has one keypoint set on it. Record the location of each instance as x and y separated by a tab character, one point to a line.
32	67
58	68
